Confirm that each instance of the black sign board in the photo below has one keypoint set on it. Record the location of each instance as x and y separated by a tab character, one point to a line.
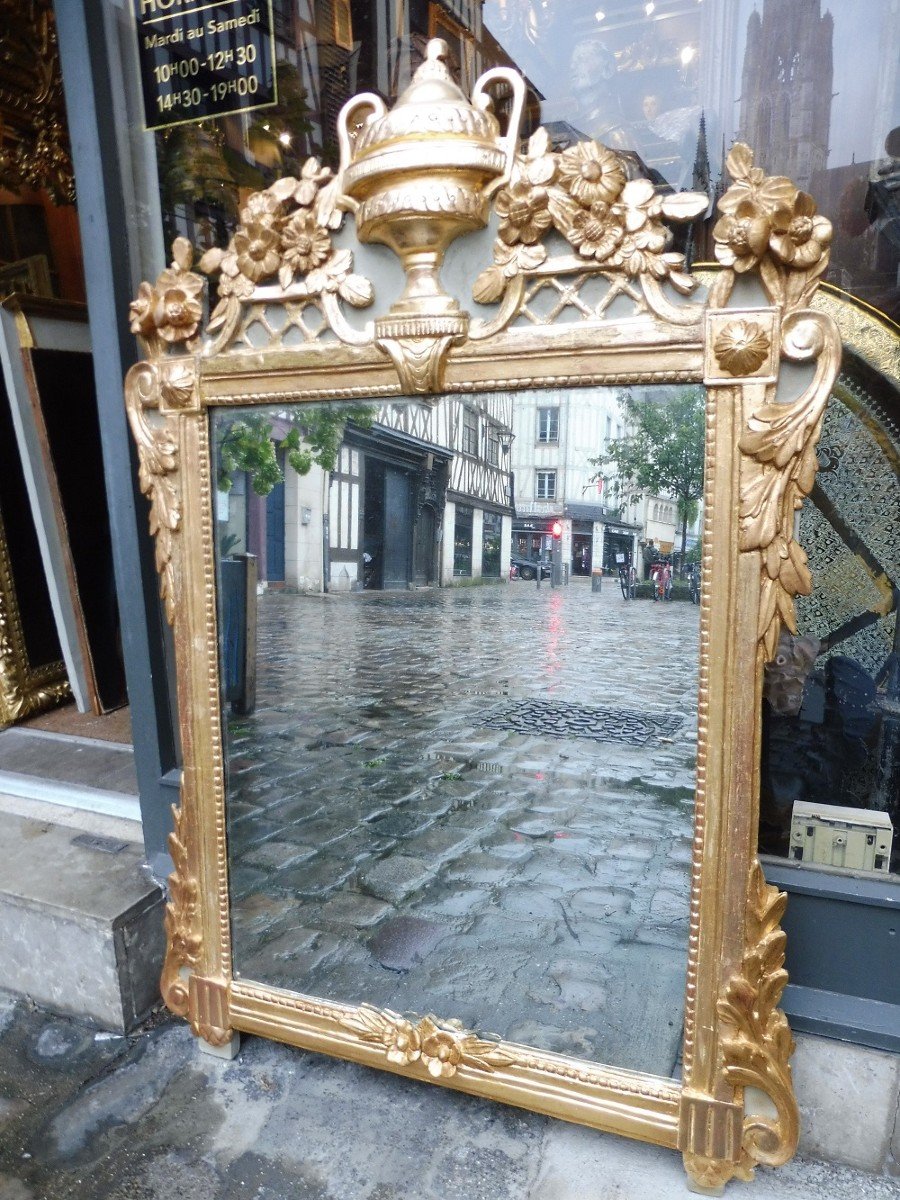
201	59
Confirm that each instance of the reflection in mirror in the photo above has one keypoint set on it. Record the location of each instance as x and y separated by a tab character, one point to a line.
830	779
474	800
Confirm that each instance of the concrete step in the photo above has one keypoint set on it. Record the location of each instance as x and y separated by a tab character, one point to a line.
81	922
64	768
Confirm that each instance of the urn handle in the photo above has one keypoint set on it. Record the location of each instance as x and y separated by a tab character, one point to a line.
368	100
510	143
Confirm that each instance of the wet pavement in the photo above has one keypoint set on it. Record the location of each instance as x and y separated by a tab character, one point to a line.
87	1115
475	802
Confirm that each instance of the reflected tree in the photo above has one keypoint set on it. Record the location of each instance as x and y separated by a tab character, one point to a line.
662	452
312	438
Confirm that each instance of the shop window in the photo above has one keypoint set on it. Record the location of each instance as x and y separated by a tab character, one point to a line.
462	541
490	544
548	424
546	485
470	432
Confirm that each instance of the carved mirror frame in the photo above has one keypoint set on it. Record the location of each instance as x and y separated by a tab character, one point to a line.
414	178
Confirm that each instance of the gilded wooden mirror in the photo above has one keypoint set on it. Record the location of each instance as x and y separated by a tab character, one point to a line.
388	727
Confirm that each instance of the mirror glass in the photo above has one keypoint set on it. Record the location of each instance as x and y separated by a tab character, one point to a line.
459	651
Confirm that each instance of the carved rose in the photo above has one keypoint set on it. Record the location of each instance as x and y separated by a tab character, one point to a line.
256	248
742	236
177	308
405	1045
590	172
594	232
523	213
800	236
741	348
306	244
441	1053
171	309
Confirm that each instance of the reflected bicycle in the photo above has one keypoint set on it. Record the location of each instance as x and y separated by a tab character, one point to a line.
628	582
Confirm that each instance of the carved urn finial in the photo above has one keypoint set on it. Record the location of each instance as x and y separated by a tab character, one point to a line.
419	175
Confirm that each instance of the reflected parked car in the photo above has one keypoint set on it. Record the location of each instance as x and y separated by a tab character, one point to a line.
527	568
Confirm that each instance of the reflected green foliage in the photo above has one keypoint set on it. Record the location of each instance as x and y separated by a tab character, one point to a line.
308	438
662	454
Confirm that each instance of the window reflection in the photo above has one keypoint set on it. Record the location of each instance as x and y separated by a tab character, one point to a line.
813	87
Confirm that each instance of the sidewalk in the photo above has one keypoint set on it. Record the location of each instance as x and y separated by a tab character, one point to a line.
95	1116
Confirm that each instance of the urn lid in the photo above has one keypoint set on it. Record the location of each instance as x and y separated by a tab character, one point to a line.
432	104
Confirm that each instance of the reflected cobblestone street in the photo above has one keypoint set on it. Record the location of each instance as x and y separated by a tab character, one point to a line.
475	802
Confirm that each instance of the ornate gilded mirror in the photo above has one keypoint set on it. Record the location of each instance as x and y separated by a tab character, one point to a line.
499	838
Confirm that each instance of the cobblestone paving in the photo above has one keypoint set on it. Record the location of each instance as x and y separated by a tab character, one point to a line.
390	843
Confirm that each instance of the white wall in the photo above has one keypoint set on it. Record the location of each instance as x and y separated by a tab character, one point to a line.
303	498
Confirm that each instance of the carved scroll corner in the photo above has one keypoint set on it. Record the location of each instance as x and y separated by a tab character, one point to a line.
439	1047
182	923
756	1040
209	1010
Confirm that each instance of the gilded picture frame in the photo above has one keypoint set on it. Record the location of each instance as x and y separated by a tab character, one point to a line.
414	178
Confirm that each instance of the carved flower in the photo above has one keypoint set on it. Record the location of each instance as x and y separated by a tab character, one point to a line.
177	308
256	247
800	236
312	176
742	236
523	213
742	347
538	164
306	244
441	1053
231	281
767	193
262	208
141	311
405	1045
594	233
591	173
639	203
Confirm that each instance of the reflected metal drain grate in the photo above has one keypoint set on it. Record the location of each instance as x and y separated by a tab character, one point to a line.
563	719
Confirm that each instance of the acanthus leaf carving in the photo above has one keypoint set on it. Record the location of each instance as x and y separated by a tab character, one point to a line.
757	1044
157	447
778	469
182	922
